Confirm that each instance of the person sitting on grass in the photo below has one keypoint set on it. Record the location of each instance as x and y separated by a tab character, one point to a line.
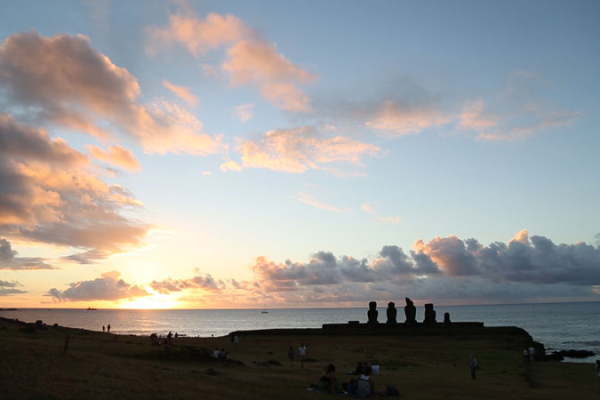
375	368
359	369
366	385
327	382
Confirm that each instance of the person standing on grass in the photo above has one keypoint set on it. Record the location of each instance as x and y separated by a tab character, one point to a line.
291	355
108	328
473	364
302	354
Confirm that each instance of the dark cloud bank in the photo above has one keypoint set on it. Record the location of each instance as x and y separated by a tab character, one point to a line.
446	269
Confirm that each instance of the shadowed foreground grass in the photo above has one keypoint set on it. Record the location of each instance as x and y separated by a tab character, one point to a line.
106	366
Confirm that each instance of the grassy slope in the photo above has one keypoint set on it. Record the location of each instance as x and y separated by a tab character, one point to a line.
33	366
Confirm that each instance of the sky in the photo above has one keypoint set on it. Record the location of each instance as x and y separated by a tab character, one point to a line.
241	154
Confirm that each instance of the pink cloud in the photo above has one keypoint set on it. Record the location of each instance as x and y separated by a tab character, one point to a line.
243	112
472	117
450	254
231	166
199	36
251	60
65	81
400	119
182	92
49	196
109	288
520	111
367	207
301	149
116	155
390	219
307	199
522	237
259	63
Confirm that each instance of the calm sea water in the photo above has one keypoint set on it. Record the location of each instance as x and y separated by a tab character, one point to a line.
559	326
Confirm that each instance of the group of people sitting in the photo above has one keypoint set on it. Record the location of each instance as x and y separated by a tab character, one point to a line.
220	354
363	386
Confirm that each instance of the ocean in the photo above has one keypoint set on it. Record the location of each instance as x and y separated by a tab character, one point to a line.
560	326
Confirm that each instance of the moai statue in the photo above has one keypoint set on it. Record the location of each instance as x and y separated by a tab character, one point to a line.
391	313
429	314
447	321
372	313
410	311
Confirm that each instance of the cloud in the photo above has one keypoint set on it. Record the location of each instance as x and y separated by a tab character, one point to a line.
109	288
307	199
243	112
9	259
298	150
529	121
198	36
209	71
398	118
472	117
449	269
386	219
231	166
324	268
205	282
257	62
48	196
9	288
116	155
367	208
62	80
539	121
182	92
450	254
533	260
519	111
389	219
251	59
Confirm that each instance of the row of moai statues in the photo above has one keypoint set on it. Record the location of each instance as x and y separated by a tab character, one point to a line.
410	312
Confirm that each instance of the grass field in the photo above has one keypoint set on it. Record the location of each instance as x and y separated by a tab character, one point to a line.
33	365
